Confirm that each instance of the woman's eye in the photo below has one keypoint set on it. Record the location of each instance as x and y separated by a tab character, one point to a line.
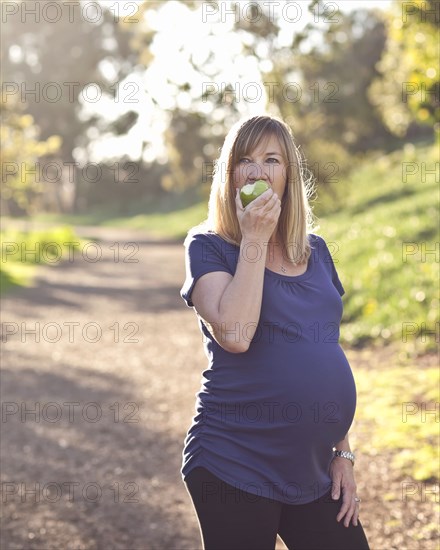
272	159
243	160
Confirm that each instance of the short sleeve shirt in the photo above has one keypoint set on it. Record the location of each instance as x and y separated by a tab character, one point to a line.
266	420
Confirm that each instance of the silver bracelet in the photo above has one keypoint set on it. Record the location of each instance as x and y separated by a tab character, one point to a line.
345	454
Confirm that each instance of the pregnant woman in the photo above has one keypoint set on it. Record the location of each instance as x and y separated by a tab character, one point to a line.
267	452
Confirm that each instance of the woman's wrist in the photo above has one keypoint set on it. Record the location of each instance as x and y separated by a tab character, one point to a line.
343	445
342	450
345	455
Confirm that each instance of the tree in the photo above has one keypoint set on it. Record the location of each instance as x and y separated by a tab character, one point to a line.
407	89
22	186
55	66
329	81
319	86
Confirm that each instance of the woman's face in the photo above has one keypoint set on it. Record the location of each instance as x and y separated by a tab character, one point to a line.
266	163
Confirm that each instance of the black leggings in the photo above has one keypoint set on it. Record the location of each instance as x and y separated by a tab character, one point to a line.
232	519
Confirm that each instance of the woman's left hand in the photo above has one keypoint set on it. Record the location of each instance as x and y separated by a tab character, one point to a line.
342	475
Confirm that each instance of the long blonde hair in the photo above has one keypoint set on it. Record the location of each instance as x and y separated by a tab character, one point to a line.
296	219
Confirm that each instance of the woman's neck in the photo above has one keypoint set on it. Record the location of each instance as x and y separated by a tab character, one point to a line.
275	239
274	247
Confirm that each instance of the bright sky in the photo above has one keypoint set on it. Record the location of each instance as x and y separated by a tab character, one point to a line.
183	34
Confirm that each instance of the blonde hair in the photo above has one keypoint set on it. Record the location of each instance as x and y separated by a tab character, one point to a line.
296	218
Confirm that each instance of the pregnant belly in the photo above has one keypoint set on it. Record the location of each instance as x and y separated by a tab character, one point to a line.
311	396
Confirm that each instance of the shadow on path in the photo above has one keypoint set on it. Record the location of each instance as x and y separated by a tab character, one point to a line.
70	478
79	453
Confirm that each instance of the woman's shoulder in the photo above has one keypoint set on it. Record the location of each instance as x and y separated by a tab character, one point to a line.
208	247
318	246
322	249
315	240
203	234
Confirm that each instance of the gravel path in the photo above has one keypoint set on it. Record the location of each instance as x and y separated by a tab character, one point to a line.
100	365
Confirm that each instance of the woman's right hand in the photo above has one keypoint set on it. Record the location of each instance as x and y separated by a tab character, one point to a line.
259	218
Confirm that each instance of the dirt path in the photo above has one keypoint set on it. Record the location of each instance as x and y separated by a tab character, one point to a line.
108	358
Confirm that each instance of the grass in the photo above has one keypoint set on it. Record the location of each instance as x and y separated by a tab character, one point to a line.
169	217
22	251
397	413
168	225
379	239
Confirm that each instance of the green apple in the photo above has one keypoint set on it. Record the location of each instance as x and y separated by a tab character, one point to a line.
251	191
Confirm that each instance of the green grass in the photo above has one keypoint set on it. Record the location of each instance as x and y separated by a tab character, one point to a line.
168	217
379	238
22	251
396	414
167	225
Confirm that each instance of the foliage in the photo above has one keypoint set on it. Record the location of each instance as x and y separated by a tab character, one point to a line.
191	151
123	186
21	251
338	67
22	183
334	73
407	89
318	84
384	238
393	413
47	68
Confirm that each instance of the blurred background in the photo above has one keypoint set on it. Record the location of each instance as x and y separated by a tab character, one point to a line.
112	117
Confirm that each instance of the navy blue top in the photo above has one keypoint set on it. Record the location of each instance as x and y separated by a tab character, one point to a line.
267	419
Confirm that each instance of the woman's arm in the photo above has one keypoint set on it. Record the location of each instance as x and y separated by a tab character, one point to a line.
343	445
342	475
231	306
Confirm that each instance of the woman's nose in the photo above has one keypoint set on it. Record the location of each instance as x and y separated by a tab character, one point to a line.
256	171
